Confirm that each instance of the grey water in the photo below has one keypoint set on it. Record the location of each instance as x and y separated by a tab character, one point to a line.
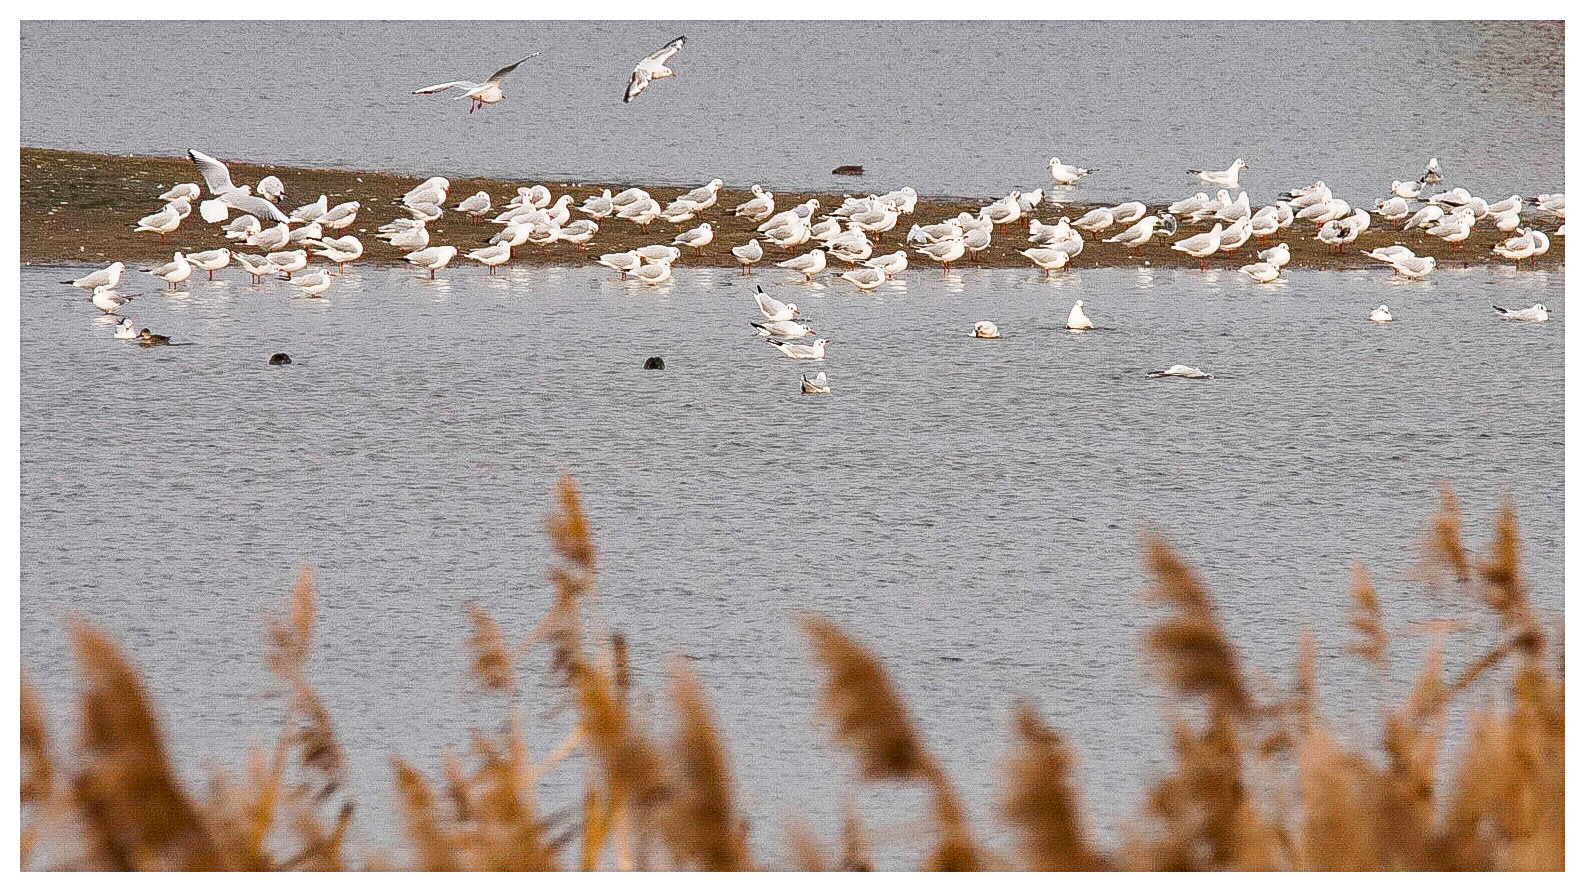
969	509
950	108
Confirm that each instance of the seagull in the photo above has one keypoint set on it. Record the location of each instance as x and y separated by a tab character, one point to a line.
163	223
340	216
124	330
1047	258
773	309
704	196
1408	190
1536	313
816	384
1076	320
189	191
1380	314
653	273
313	284
1095	220
258	267
598	206
1263	273
623	263
414	239
987	330
340	251
1202	245
579	232
799	351
486	93
748	254
1187	371
1227	178
1133	211
1277	256
867	278
289	261
696	238
1066	174
491	255
209	261
105	299
475	205
791	330
659	253
1413	267
1139	234
310	213
229	196
808	264
944	251
110	275
271	189
1389	254
175	272
431	258
273	238
890	264
1519	247
652	67
241	227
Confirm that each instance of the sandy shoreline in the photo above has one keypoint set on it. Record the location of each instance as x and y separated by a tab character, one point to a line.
77	207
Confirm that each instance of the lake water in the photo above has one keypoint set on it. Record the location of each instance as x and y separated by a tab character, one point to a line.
970	509
959	108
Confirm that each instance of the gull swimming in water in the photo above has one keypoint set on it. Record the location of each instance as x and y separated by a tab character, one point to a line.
1432	173
1066	174
1187	371
486	93
110	275
986	330
1076	320
1536	313
652	67
1227	177
1264	273
789	329
799	351
124	330
1380	314
773	309
432	258
105	299
816	384
314	284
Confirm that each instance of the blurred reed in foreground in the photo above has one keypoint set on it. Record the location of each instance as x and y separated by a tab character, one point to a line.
1257	781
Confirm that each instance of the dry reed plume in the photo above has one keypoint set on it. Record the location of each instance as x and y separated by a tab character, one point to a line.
1257	780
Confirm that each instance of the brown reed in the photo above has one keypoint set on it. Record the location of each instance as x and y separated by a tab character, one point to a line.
1251	785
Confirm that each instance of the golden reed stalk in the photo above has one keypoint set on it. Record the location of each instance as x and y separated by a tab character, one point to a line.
1257	780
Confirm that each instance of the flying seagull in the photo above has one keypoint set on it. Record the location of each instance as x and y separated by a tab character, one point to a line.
486	93
229	195
652	67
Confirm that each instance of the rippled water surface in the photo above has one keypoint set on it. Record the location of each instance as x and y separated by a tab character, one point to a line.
960	108
971	509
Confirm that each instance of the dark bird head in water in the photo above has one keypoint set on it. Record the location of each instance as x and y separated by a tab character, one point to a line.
654	363
280	359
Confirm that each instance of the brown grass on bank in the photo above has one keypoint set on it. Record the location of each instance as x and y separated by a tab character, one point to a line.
1257	781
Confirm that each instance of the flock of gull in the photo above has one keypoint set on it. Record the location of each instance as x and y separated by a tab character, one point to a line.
271	242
